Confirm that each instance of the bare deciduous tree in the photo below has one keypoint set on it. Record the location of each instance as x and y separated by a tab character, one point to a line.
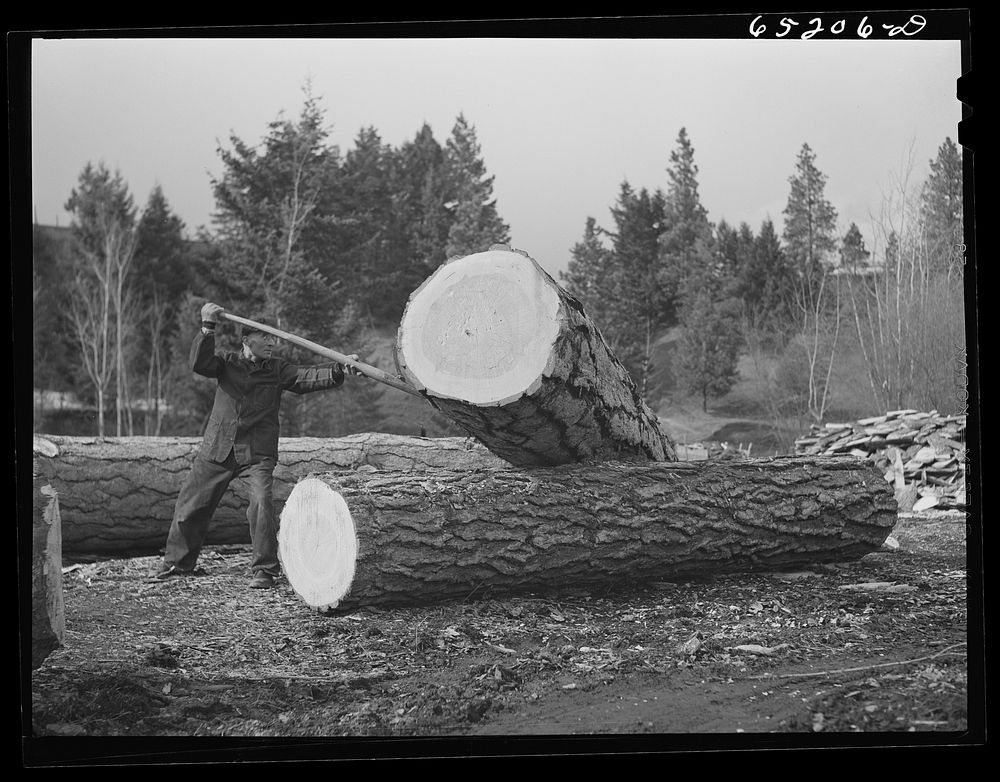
156	375
90	316
908	311
819	309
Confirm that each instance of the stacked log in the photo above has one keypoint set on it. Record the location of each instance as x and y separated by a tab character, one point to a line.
347	540
48	619
117	494
495	344
921	454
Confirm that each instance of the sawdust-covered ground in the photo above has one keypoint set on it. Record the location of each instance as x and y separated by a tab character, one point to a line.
869	652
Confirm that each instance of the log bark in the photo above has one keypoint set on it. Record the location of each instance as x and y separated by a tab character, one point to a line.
117	495
389	538
495	344
48	618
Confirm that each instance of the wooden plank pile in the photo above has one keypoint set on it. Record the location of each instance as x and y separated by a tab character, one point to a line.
921	454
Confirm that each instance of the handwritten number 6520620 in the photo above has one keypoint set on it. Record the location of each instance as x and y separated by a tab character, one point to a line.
911	27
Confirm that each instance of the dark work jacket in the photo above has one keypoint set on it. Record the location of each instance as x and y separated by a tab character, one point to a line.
245	414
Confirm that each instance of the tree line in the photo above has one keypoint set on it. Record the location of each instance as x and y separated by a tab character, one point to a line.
329	245
323	244
793	299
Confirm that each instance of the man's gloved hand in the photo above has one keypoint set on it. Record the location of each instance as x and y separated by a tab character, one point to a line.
210	312
350	370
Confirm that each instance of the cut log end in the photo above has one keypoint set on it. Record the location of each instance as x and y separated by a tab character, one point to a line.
481	329
317	544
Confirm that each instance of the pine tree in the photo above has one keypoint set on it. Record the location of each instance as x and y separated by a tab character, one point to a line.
734	248
373	236
54	362
477	224
810	220
686	245
161	256
711	336
587	263
589	276
101	199
163	266
768	286
639	298
279	222
941	206
853	254
420	194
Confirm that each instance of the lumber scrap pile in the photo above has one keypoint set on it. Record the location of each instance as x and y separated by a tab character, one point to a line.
921	454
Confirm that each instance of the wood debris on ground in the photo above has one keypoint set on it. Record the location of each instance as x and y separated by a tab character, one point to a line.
921	454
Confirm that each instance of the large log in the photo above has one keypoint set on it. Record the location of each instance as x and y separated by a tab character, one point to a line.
495	344
48	618
117	495
391	538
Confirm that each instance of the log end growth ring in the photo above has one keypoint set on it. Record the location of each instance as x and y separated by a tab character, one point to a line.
317	544
481	329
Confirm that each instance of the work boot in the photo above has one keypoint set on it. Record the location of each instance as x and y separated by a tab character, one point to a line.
164	571
262	580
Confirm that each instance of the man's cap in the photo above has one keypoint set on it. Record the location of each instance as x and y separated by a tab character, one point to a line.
246	330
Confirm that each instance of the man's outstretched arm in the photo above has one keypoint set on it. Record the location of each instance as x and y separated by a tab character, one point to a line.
306	379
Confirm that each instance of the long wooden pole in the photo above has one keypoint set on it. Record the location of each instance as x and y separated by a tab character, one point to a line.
365	369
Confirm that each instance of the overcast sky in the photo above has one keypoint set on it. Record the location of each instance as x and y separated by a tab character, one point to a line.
561	122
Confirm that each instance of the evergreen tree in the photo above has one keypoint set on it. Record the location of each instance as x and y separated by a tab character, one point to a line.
476	224
100	200
639	297
590	275
810	220
768	286
279	219
711	336
54	365
941	205
163	266
734	248
161	257
420	195
374	241
686	245
853	254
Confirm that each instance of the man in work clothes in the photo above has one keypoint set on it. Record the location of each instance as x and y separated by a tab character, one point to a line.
241	439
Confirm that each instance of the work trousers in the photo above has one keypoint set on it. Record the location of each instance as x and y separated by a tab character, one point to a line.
200	496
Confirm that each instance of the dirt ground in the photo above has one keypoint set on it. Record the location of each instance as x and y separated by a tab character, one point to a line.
863	653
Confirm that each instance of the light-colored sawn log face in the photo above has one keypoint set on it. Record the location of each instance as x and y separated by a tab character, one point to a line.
48	617
117	495
425	538
508	355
